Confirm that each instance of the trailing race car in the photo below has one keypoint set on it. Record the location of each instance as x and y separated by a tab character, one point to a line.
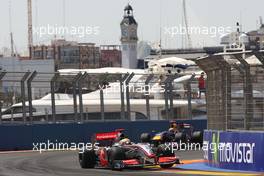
123	154
178	132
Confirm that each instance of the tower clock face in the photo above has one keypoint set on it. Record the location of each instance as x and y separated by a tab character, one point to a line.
124	32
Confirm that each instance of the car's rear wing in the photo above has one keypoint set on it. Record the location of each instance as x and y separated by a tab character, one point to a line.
186	125
108	135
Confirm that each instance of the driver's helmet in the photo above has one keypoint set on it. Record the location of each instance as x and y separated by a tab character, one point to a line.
125	141
173	124
120	136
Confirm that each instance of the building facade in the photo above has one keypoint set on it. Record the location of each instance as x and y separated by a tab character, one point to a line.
256	38
89	55
69	55
111	56
252	40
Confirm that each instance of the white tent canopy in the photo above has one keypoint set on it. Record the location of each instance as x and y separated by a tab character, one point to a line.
171	61
110	70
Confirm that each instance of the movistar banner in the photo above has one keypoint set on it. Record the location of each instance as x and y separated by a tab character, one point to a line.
234	150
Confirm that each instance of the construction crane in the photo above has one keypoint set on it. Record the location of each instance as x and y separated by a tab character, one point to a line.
260	21
30	33
11	31
189	41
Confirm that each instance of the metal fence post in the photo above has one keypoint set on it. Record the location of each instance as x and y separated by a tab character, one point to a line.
102	101
75	106
248	92
2	75
122	79
1	104
52	94
169	96
260	56
166	101
128	95
149	78
29	81
189	95
23	96
80	84
226	92
172	78
171	112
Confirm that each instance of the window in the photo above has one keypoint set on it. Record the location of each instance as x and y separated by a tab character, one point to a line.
124	47
17	110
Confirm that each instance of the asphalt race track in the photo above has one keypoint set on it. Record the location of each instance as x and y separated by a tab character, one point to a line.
66	163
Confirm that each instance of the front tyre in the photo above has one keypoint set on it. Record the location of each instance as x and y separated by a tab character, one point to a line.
116	155
166	166
164	151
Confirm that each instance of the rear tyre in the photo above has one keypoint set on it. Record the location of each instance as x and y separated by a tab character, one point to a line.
87	159
145	138
180	137
167	137
197	137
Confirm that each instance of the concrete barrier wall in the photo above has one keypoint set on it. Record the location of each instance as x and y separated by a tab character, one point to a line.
234	150
22	137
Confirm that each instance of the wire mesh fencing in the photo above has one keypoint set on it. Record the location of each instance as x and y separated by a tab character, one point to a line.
79	96
235	91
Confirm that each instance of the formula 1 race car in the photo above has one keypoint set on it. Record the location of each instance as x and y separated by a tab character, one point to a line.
120	155
179	132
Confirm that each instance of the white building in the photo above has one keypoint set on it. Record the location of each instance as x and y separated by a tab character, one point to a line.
234	38
129	39
14	64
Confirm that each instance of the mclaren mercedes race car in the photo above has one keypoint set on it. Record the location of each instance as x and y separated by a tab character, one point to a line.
115	151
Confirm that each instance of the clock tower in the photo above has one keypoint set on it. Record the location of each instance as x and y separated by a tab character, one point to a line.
129	39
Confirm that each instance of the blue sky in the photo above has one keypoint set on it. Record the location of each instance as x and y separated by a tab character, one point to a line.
107	14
